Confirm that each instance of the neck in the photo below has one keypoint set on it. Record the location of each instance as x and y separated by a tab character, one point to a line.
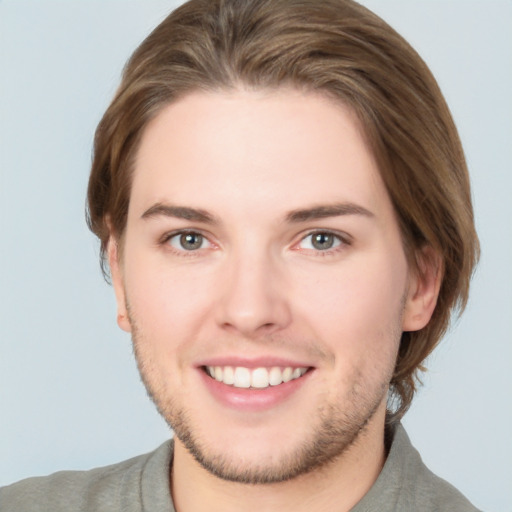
336	486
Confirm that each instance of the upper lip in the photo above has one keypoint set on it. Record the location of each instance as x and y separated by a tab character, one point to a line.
255	362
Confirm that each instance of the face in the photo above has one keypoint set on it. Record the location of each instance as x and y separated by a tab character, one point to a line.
263	280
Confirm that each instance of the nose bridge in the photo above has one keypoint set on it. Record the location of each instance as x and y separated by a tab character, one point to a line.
254	299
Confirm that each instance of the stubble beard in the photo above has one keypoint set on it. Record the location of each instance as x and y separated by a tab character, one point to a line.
328	441
338	427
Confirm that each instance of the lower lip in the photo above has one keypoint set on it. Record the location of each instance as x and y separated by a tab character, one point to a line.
251	399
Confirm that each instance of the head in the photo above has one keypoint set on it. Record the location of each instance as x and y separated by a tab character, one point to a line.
340	51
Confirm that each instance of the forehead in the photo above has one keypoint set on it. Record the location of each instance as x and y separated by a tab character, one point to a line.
245	150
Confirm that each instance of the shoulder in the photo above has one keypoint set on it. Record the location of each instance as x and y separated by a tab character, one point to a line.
406	484
422	489
116	487
427	490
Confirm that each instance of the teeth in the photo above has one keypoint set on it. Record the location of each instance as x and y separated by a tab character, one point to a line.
229	375
296	373
258	378
242	378
275	376
287	374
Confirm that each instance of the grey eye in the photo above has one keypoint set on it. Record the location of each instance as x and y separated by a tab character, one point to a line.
188	241
323	241
191	241
320	241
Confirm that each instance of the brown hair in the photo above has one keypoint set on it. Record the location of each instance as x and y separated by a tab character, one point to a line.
338	48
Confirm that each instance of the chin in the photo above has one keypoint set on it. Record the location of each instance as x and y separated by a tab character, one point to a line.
271	456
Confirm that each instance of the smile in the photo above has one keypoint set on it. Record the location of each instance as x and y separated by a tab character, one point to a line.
256	378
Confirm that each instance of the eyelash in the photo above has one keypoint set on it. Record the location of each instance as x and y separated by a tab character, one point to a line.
166	239
342	239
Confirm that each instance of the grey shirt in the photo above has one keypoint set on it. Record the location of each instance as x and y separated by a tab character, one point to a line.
141	484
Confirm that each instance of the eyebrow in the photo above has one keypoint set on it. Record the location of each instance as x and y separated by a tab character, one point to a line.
324	211
178	212
294	216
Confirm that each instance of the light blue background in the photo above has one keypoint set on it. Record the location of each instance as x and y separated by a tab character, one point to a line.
70	395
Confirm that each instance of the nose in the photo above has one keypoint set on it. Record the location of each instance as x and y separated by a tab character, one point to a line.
253	299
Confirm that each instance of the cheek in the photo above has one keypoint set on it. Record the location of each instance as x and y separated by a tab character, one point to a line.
357	307
358	321
168	305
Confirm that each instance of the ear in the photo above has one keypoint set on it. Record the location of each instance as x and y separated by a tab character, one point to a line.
424	285
118	283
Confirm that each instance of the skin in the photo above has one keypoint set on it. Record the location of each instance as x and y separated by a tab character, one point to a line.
257	287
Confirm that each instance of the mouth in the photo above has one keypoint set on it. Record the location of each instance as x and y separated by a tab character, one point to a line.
254	378
254	385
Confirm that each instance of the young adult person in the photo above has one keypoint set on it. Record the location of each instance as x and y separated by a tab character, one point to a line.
284	209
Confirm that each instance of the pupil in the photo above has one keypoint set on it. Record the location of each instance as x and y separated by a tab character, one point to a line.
323	241
190	241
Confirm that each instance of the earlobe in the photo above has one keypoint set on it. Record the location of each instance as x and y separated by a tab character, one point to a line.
424	286
117	282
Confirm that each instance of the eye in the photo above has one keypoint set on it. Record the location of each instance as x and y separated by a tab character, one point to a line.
320	241
189	241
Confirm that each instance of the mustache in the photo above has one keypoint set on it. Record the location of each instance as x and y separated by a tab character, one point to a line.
286	345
